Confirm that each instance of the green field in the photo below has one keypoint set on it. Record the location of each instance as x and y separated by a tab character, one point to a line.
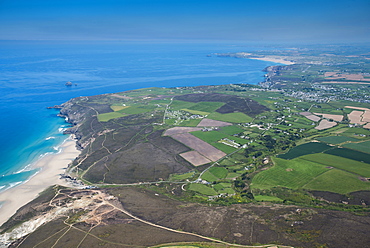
351	154
221	186
118	107
231	130
253	135
146	91
300	125
162	102
227	191
238	140
108	116
225	148
180	177
202	189
214	174
337	139
187	123
132	110
231	117
337	181
177	105
232	175
227	162
212	138
348	165
209	177
288	173
357	131
362	147
327	109
209	137
302	120
267	198
219	172
304	149
313	172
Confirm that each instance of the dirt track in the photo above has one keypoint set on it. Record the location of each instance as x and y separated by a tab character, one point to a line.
91	212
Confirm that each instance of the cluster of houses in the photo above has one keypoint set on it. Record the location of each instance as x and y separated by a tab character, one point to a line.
213	197
201	181
182	115
208	129
232	143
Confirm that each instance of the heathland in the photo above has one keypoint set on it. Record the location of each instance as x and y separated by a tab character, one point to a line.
283	162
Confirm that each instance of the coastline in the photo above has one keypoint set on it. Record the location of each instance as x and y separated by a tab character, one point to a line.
50	167
275	60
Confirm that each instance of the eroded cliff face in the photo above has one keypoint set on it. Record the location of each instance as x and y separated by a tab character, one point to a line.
73	115
76	111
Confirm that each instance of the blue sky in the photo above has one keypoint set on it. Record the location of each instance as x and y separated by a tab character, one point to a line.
243	20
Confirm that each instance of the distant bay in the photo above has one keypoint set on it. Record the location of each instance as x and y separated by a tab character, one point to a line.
33	76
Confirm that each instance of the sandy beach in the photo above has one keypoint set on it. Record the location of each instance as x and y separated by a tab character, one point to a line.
275	60
51	166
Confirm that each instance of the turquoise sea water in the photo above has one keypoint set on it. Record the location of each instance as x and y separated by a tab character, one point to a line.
33	76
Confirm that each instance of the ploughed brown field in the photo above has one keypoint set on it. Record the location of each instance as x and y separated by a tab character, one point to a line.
367	126
200	146
213	123
325	124
178	130
204	153
366	116
195	158
310	116
356	117
330	116
342	82
335	75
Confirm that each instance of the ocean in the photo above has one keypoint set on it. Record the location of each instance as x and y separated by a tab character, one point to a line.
33	76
